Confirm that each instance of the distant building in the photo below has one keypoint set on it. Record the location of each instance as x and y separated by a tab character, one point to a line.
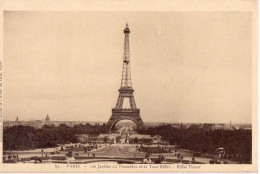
17	119
207	127
220	126
47	119
247	128
195	126
36	123
184	126
235	127
177	126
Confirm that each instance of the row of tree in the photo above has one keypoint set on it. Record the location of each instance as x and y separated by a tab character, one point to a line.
26	137
237	143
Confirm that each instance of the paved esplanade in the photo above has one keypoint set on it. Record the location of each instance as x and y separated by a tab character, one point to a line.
121	151
130	151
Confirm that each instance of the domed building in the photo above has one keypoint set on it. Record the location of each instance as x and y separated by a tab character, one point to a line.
47	119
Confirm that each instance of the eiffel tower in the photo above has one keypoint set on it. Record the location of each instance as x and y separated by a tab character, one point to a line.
125	92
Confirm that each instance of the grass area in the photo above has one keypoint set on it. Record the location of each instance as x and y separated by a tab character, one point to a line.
152	150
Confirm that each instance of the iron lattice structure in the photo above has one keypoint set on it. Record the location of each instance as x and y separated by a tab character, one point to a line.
125	92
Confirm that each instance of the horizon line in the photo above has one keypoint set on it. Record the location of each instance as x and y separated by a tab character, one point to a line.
161	122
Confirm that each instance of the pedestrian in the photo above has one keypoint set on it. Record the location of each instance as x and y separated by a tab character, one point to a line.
163	158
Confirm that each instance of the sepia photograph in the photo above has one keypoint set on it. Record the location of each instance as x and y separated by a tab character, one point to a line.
99	89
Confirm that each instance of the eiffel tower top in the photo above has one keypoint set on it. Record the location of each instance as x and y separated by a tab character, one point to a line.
126	30
126	82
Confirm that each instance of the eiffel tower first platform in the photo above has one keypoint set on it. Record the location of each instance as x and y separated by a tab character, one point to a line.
125	92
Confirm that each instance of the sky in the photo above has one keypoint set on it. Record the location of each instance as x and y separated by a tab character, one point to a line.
186	66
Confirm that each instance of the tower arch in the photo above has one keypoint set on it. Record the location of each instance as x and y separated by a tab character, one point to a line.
118	119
